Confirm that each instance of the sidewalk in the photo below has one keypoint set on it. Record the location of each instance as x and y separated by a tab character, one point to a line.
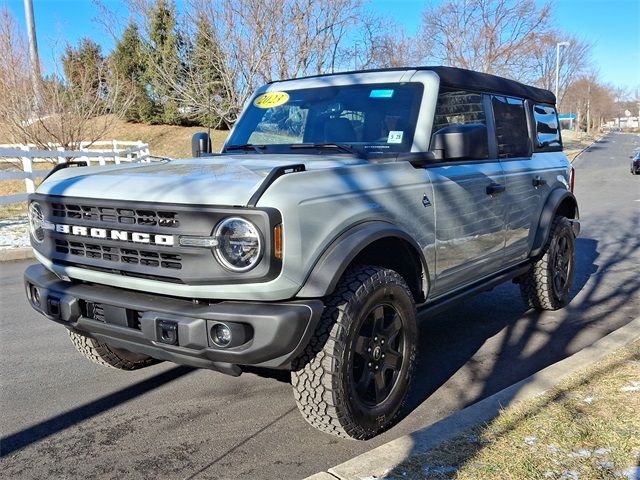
383	462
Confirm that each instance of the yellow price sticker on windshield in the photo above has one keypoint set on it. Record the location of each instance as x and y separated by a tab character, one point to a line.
271	99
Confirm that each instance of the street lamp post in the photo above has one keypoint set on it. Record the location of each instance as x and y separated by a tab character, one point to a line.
558	45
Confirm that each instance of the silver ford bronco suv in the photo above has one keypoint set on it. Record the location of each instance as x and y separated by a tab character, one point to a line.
342	209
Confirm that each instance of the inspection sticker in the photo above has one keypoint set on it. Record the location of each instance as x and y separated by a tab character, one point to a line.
381	93
395	136
271	99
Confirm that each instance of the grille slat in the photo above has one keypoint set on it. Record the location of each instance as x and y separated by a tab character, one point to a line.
124	255
124	216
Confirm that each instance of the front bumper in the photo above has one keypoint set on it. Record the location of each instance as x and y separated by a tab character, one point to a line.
177	330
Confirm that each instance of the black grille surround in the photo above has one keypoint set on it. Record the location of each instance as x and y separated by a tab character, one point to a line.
161	262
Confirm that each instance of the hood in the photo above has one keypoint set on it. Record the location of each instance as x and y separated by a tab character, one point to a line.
218	180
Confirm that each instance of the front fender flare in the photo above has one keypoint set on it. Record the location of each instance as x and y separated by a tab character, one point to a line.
333	262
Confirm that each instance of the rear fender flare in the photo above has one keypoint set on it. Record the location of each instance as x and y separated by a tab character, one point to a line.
559	202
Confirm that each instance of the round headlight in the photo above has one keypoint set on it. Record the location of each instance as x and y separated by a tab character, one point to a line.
36	222
239	245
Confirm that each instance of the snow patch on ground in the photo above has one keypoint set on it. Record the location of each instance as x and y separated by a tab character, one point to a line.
14	232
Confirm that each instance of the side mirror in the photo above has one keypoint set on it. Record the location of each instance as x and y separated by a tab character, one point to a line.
457	142
200	144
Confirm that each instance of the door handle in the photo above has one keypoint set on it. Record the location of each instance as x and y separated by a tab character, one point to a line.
538	182
495	188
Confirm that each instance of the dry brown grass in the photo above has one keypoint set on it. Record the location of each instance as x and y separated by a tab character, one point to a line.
164	140
575	142
588	428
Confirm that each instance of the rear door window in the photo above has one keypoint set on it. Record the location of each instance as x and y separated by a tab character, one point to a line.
512	135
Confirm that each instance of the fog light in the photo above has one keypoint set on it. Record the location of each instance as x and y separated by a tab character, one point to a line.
221	335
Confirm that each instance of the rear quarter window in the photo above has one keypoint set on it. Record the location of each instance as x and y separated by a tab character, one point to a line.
547	128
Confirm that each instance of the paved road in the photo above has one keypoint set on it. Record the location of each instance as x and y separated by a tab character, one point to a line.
63	417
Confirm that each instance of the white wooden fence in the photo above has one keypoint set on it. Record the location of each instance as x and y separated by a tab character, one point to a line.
26	156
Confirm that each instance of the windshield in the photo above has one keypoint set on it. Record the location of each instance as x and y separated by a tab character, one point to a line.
370	118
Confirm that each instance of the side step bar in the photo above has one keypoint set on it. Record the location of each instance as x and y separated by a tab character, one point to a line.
447	301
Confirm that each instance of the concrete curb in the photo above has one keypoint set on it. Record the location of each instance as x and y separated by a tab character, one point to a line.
377	462
596	140
11	254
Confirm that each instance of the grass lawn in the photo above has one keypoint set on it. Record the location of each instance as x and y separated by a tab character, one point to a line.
588	427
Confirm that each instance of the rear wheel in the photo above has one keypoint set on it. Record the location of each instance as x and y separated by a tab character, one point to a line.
547	283
353	377
109	356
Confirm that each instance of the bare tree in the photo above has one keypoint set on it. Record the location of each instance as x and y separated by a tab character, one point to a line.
257	42
54	111
574	61
491	36
384	44
591	100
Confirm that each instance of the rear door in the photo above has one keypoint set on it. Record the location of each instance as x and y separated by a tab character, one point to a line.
468	202
523	181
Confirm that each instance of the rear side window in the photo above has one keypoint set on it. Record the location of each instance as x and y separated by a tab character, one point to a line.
458	107
512	134
547	131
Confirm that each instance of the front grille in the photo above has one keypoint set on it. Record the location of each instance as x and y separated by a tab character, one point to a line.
142	239
128	256
126	216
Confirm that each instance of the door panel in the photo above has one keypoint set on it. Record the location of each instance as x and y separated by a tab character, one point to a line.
470	232
523	202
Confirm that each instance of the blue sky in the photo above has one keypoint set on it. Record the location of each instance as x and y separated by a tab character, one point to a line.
613	26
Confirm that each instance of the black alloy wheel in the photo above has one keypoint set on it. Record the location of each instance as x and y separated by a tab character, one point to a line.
379	351
352	379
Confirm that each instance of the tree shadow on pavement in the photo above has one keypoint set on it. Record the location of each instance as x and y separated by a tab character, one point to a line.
529	340
51	426
449	340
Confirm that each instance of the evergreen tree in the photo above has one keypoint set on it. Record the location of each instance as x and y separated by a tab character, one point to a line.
83	67
164	64
204	78
128	72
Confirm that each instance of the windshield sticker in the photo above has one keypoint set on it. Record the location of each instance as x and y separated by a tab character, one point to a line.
271	99
381	93
395	136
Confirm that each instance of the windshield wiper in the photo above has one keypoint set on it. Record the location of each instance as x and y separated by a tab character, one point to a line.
246	146
335	146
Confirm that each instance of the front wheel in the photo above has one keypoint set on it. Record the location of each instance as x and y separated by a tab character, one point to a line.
108	356
353	377
547	283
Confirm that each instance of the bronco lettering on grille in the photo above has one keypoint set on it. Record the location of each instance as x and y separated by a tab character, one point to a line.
123	235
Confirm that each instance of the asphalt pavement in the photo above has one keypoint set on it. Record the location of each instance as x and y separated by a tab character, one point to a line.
64	417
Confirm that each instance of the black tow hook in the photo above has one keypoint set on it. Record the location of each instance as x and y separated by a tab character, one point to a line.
167	332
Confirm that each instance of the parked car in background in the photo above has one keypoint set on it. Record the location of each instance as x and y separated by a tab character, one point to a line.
635	164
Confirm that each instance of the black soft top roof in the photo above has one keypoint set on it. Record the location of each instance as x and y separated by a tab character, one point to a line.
471	80
461	78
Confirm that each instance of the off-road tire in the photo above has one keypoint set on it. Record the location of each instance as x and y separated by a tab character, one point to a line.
324	375
109	356
537	286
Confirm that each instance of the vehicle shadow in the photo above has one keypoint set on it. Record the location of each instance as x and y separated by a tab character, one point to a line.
51	426
450	339
528	340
